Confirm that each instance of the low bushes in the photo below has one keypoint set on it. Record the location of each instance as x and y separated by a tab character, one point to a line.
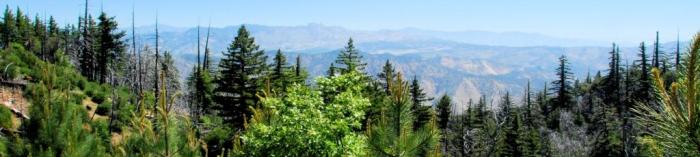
5	117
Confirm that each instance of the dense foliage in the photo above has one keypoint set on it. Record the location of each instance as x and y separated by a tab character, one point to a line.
302	124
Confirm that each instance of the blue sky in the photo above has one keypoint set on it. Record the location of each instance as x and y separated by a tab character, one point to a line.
620	20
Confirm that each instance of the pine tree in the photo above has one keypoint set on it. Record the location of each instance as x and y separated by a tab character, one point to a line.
443	110
481	113
564	96
87	48
165	134
9	28
54	40
678	51
656	59
192	82
331	70
297	66
511	140
674	130
24	30
607	139
171	74
590	93
111	48
242	70
206	63
486	131
613	80
279	76
544	103
37	38
418	97
203	84
202	107
387	74
506	106
300	74
59	125
629	130
515	142
156	70
394	135
643	93
350	59
532	122
532	114
201	89
562	86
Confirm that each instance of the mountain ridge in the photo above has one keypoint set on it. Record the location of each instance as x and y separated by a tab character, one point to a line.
463	70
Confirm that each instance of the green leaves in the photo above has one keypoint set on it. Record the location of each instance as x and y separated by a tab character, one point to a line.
303	124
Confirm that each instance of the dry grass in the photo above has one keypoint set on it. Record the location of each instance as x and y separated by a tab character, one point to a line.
117	138
13	99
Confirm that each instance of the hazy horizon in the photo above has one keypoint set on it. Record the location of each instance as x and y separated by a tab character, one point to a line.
619	21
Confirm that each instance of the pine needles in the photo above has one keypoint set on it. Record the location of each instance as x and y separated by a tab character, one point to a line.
674	125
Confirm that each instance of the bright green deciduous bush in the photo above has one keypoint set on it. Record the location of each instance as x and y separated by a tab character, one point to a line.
301	124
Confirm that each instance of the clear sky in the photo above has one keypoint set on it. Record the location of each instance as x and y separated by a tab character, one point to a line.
601	20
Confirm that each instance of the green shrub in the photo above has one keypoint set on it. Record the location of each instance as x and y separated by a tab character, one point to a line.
219	134
12	71
5	117
99	98
82	84
90	89
302	124
103	108
124	110
100	128
96	92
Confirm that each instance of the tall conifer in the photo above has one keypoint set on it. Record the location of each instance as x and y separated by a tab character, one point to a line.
242	70
350	59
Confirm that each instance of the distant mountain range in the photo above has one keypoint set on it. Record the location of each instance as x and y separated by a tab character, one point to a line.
315	36
463	64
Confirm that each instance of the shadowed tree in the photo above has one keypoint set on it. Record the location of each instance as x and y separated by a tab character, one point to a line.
387	74
280	76
443	111
418	97
111	47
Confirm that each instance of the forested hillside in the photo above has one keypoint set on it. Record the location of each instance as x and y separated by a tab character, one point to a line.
90	89
464	70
